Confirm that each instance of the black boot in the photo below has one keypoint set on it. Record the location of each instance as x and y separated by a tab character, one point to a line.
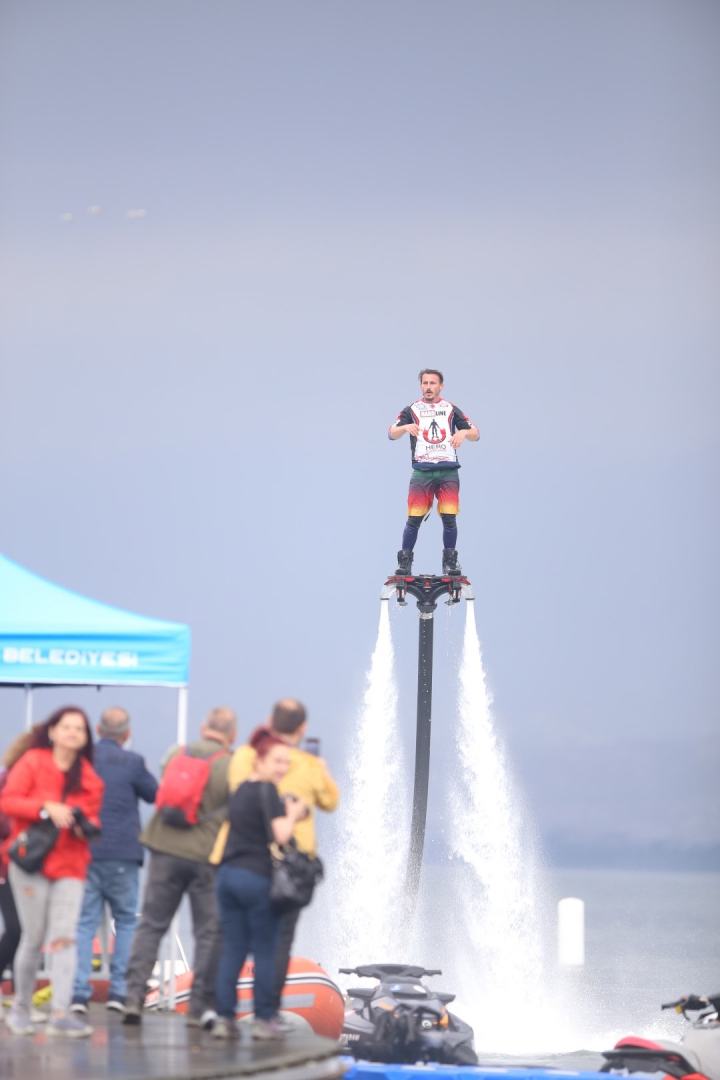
404	566
451	566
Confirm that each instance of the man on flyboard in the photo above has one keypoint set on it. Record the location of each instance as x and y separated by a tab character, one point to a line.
436	428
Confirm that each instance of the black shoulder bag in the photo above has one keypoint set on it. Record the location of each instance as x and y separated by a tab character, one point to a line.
30	848
294	874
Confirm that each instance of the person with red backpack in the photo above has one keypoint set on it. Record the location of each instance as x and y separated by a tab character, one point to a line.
191	805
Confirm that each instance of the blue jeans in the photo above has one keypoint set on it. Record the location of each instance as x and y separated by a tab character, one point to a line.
249	925
115	882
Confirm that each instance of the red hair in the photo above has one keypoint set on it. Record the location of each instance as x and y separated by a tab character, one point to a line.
262	741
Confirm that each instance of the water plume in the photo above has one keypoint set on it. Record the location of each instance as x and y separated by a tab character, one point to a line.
498	953
371	844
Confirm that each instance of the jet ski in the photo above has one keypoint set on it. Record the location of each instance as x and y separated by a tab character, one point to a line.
696	1057
400	1020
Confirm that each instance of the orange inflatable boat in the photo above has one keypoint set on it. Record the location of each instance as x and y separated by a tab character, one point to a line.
309	994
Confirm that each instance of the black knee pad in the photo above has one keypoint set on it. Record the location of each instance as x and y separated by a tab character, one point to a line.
414	523
449	520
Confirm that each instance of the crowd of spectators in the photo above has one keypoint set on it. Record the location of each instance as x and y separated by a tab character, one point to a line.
217	815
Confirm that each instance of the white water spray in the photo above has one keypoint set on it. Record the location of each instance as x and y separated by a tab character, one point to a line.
371	849
499	960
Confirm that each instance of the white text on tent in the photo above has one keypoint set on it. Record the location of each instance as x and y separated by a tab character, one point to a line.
69	657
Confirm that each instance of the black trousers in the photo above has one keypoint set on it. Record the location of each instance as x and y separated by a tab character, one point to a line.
168	879
284	948
11	937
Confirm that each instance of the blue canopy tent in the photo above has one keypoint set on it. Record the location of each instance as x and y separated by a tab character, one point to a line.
50	636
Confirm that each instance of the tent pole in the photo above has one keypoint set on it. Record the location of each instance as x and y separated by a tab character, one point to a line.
28	706
182	720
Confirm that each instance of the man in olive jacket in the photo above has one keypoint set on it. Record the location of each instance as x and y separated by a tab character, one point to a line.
178	865
308	779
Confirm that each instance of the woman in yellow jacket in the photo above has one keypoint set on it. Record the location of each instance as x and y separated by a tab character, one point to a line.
309	779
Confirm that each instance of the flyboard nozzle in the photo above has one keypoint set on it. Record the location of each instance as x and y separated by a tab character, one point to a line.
427	589
426	608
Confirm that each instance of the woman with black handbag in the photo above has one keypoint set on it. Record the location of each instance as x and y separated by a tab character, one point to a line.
250	921
53	797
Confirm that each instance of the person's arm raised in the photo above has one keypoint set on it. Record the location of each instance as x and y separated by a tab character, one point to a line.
144	782
327	795
283	827
21	798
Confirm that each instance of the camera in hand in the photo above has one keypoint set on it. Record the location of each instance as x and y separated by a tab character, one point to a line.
86	827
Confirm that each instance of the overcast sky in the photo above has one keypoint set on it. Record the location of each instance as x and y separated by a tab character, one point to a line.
194	402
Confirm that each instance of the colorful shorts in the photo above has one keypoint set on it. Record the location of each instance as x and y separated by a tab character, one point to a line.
429	484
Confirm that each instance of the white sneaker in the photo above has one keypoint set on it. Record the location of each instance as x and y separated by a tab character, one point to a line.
37	1016
224	1029
69	1026
18	1022
207	1019
266	1030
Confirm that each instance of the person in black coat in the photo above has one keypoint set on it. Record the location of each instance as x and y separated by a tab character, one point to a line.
116	857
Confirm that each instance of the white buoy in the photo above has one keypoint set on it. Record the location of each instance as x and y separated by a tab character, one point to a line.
571	932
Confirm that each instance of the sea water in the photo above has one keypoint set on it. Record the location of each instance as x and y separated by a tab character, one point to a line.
649	938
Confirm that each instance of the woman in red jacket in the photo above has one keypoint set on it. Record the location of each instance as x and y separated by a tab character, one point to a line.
51	780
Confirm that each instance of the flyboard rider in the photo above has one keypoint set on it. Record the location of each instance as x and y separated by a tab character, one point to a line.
437	428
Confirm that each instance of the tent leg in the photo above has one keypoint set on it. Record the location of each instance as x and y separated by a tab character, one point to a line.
28	706
182	719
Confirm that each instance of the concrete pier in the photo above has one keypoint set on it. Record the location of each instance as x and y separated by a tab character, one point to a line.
162	1048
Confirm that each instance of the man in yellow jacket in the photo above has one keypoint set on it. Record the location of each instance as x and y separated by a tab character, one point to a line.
309	779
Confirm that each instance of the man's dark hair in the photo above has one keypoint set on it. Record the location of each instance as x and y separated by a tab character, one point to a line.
431	371
287	716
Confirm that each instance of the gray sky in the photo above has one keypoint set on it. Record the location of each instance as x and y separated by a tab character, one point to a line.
194	403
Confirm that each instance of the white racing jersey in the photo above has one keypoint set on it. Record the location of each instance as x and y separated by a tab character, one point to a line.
437	422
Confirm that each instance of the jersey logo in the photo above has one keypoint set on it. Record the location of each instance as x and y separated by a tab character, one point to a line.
434	434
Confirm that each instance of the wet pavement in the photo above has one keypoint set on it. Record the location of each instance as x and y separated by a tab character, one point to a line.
163	1048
